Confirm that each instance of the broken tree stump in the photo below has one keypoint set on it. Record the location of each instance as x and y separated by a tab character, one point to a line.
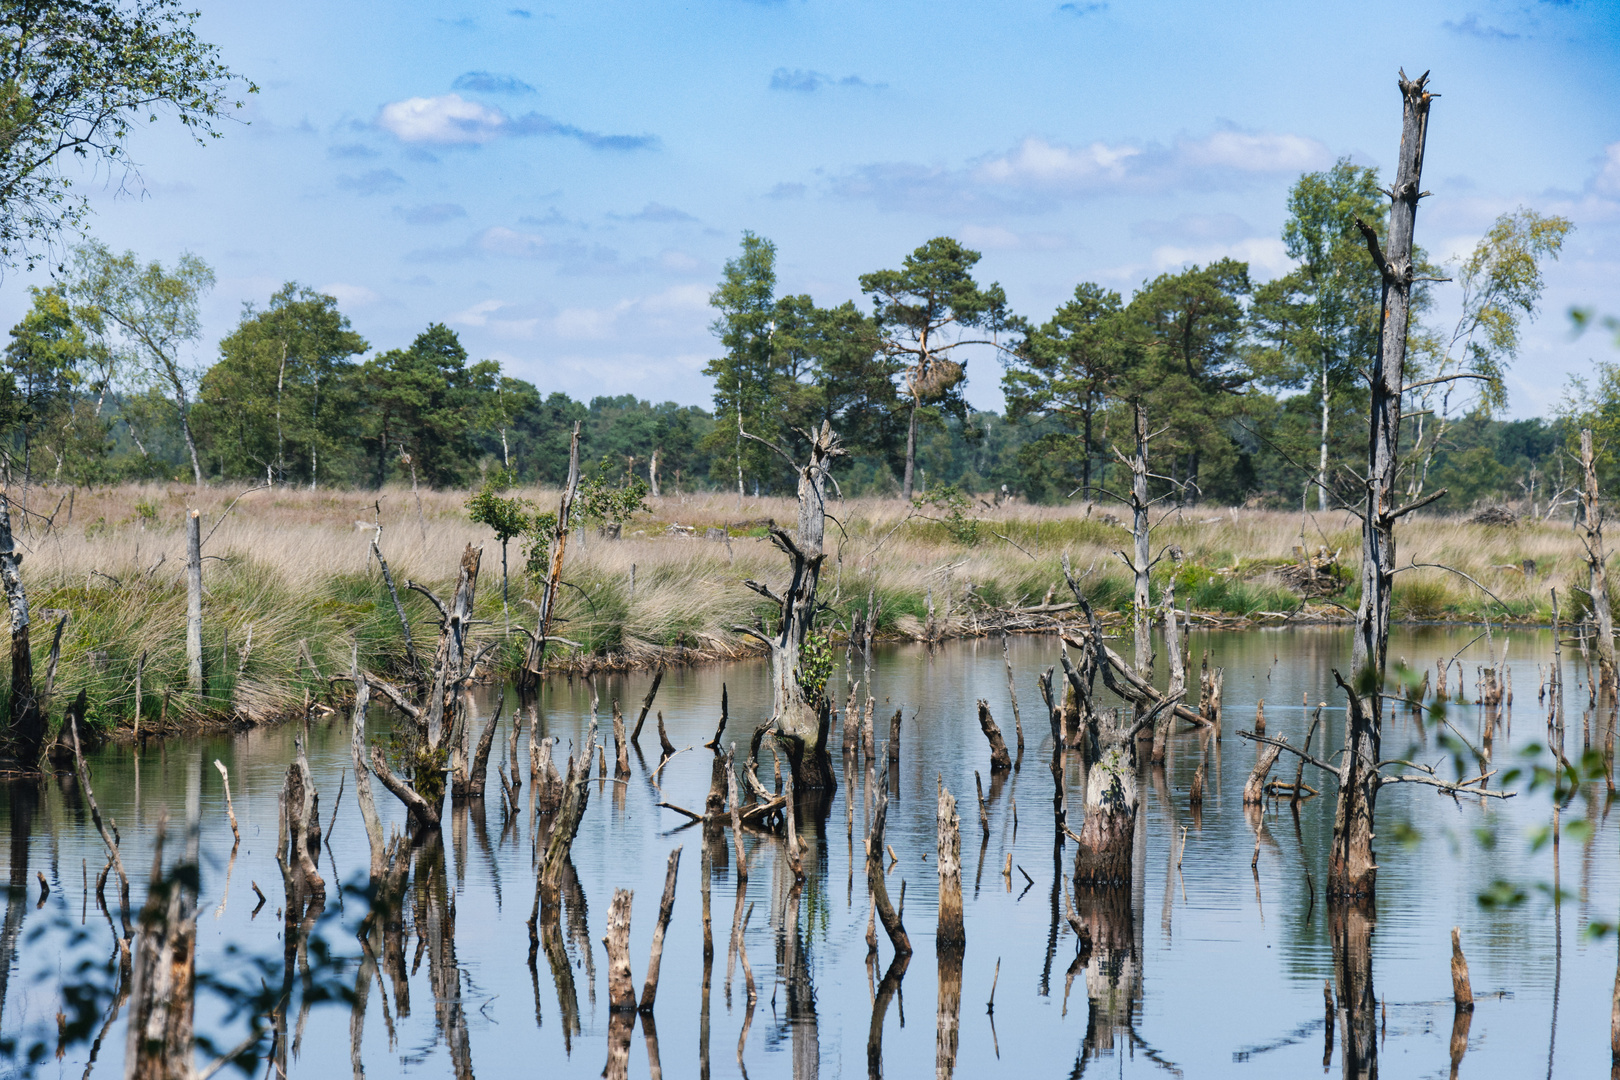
1254	791
949	844
1000	760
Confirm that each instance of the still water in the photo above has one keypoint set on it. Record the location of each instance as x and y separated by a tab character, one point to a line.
1221	971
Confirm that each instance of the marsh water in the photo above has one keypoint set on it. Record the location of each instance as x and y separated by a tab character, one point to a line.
1219	955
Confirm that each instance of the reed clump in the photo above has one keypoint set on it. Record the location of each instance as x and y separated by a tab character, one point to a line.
293	568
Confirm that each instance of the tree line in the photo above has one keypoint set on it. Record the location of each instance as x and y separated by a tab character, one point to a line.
1253	390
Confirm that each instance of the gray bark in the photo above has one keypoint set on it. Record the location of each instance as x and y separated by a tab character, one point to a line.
194	655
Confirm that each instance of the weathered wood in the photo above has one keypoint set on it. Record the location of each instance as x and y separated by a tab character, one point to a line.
362	776
1591	526
399	608
621	761
161	1036
194	650
1462	993
486	741
886	912
1000	760
948	844
423	815
450	659
646	703
1178	666
894	737
25	722
790	814
736	811
1141	562
534	660
666	906
1353	870
665	747
621	991
83	773
230	811
1254	791
1012	694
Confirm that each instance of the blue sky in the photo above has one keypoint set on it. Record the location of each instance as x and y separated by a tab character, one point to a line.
561	184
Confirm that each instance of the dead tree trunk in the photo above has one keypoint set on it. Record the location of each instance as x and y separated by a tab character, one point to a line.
801	714
534	660
886	913
666	907
1178	670
161	1039
25	724
1254	790
1591	526
621	990
450	660
1141	560
194	649
949	843
1000	759
1353	869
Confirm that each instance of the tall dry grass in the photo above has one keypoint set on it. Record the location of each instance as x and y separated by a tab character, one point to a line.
293	568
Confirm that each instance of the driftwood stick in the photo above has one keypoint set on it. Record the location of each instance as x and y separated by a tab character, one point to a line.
230	810
1012	693
736	811
874	872
894	737
646	703
1000	760
666	749
984	814
1462	994
621	761
486	740
1254	792
95	811
666	906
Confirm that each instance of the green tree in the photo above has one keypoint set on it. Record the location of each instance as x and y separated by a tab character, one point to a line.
1185	351
1066	368
425	401
1321	318
745	380
1501	283
149	316
48	362
74	76
278	398
925	311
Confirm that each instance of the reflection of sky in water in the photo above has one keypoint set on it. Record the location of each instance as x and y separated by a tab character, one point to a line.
1231	973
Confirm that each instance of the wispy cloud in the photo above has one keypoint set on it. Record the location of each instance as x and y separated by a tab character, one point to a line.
351	151
452	120
996	238
787	189
374	182
1082	9
656	213
350	296
488	82
808	82
1037	173
429	213
1470	26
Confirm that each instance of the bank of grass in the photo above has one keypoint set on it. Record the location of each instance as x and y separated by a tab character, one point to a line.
294	569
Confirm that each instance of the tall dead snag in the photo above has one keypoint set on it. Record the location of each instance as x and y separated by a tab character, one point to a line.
1591	527
194	653
1353	870
801	714
1178	666
646	704
534	659
450	659
393	593
1462	991
161	1039
949	842
1140	561
1000	760
25	724
362	776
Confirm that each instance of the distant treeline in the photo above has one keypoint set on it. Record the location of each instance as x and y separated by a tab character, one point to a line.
1254	392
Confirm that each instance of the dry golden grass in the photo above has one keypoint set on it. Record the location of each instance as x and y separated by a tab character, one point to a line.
293	566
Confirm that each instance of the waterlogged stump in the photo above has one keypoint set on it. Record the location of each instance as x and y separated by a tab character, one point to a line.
1254	791
621	990
949	845
1103	856
1000	759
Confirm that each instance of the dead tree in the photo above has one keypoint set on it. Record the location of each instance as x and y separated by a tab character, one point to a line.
801	715
162	1036
1139	562
534	659
1591	527
949	844
886	913
194	649
1353	869
1000	759
25	722
1178	666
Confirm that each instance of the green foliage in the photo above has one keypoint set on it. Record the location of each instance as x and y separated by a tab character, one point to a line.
815	666
608	504
1423	599
537	539
508	518
74	76
948	500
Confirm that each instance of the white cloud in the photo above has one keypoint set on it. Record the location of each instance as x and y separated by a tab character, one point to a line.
1607	180
1259	152
500	240
350	296
448	118
996	238
678	309
1039	163
500	319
